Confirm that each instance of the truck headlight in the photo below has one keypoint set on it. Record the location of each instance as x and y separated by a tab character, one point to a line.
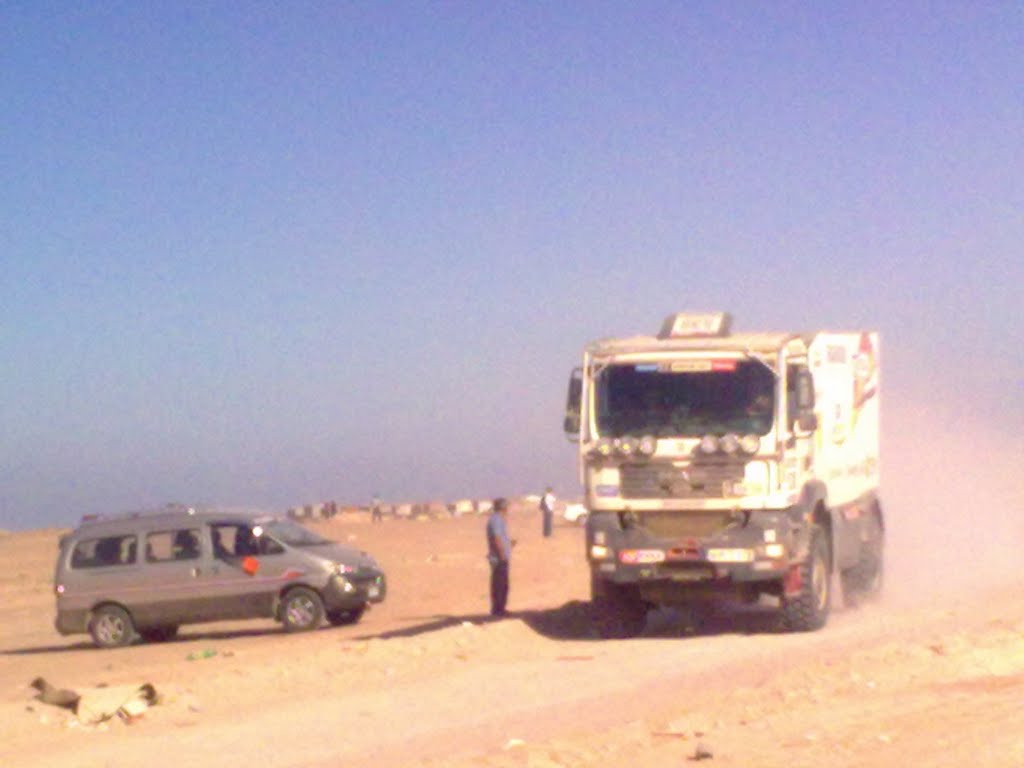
750	443
648	445
775	551
604	447
730	555
709	444
729	444
628	446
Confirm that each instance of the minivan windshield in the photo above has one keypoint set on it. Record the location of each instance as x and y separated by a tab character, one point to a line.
291	533
688	398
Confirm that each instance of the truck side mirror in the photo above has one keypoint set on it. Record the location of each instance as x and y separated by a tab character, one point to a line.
804	390
571	424
806	419
807	422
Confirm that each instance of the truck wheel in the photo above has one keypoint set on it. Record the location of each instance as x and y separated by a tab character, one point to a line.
864	581
699	615
617	610
111	627
301	610
344	618
809	608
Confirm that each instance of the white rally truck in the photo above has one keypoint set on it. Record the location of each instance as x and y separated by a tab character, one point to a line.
728	464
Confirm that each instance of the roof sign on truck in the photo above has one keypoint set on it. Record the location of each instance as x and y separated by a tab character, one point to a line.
686	325
697	366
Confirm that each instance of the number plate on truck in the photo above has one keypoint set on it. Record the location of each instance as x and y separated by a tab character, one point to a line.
691	574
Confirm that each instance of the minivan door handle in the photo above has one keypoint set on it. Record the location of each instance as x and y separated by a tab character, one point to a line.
195	573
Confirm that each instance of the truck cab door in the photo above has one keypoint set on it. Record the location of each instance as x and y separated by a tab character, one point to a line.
801	424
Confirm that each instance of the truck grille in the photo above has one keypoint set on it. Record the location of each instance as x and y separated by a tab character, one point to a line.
680	524
704	480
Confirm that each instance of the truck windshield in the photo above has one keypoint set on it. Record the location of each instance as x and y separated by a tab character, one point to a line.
706	397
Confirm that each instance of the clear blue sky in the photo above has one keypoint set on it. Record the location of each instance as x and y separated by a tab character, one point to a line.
276	253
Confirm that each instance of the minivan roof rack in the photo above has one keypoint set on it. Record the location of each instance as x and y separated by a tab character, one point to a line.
103	516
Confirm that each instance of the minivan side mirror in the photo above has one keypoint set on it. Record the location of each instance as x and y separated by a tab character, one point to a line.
574	399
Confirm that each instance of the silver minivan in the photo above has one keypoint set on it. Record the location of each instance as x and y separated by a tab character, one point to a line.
142	575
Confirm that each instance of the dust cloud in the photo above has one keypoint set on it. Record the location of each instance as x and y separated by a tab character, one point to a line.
953	494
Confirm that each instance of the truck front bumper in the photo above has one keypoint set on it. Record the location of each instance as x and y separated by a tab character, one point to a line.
761	548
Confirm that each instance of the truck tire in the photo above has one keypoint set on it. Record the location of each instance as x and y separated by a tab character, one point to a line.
699	616
808	610
617	610
111	626
864	581
301	610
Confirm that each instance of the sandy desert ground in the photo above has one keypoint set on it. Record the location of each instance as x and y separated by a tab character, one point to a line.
426	679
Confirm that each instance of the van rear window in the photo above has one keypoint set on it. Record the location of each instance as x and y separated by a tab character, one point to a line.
100	553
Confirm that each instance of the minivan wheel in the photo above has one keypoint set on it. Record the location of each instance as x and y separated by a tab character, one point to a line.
344	618
301	610
111	627
158	634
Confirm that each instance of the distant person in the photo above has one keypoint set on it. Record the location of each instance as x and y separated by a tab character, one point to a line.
499	553
376	513
547	508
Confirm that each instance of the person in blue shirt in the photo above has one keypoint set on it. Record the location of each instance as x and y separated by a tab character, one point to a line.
499	552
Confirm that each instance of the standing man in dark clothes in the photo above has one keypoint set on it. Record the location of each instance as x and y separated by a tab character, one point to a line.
499	552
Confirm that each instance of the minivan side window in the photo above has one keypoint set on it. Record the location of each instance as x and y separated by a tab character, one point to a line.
268	546
99	553
166	546
240	540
